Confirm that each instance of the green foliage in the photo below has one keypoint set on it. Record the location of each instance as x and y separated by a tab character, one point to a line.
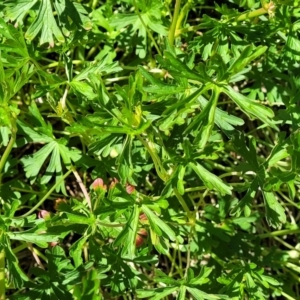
149	149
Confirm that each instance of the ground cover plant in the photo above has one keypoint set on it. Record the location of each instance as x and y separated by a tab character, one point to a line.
149	149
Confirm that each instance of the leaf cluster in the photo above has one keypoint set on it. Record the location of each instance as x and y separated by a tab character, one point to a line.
149	149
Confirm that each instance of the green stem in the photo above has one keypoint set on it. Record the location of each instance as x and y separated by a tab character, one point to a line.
40	254
47	195
188	258
288	199
33	192
148	31
287	296
279	232
109	80
20	248
248	15
110	224
2	164
266	9
161	172
96	204
172	259
94	4
220	167
251	14
2	274
174	264
8	148
189	29
284	243
195	189
174	22
183	204
61	64
183	14
218	260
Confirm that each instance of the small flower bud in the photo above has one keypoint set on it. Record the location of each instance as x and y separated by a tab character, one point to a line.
59	202
139	241
143	232
140	237
143	217
44	214
52	244
98	185
113	183
130	188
